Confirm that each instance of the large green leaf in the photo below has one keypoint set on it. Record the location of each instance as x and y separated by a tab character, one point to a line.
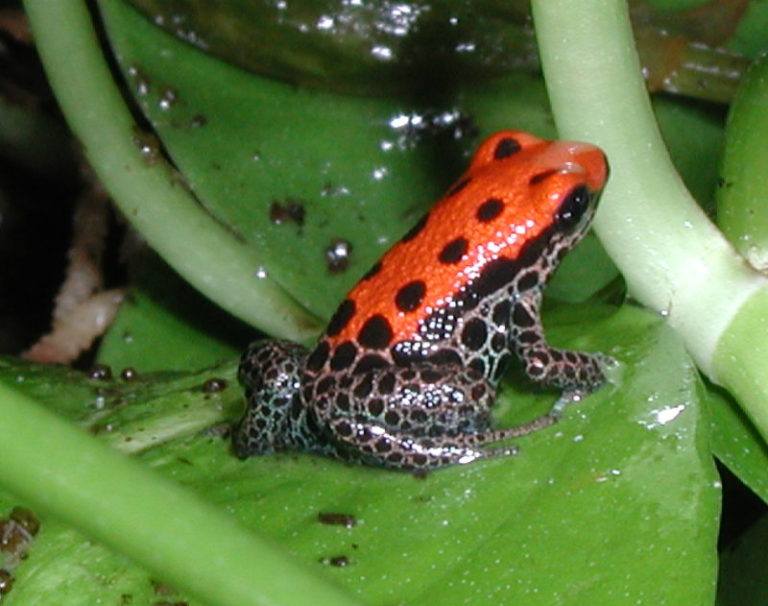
594	510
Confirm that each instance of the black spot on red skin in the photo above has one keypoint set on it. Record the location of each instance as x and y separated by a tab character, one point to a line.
341	318
505	148
416	229
410	296
454	251
534	249
495	275
343	356
318	357
373	271
458	186
542	176
376	333
489	210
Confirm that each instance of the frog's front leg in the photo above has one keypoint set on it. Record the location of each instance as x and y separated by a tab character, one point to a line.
576	373
275	418
416	417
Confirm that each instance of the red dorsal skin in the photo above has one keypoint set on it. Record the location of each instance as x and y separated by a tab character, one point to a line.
530	183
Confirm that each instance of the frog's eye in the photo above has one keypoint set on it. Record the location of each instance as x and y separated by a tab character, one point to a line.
574	206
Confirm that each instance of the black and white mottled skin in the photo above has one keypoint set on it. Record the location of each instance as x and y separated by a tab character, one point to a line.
413	388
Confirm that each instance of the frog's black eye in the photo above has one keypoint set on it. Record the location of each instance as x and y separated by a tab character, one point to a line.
574	206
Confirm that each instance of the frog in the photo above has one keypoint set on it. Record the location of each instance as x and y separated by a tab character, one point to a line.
406	373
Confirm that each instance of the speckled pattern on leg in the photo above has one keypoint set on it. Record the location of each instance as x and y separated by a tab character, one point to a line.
275	418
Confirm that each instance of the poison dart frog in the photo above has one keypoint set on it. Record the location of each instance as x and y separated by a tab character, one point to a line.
407	370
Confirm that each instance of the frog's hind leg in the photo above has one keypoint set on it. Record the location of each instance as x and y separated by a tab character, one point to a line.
418	417
377	446
275	418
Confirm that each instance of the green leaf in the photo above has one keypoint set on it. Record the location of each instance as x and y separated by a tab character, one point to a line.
247	149
166	324
741	195
751	37
736	442
593	510
235	138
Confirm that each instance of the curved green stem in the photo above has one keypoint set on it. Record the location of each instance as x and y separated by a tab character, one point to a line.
146	189
674	259
62	470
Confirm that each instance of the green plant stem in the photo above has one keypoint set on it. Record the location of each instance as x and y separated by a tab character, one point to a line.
674	259
115	500
149	193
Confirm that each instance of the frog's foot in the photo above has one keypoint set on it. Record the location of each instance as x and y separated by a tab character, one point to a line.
568	397
275	418
571	371
577	393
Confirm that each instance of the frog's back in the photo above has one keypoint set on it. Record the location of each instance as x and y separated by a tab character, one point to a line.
494	223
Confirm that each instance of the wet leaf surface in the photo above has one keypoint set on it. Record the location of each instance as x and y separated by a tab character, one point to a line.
597	509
